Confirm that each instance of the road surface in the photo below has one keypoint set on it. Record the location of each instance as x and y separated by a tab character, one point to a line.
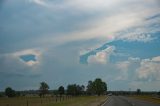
126	101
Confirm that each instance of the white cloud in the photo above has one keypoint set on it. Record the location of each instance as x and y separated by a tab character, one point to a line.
101	57
105	28
125	67
92	5
77	4
134	59
134	36
40	2
142	32
89	49
149	69
144	70
50	4
31	63
156	59
114	25
27	51
34	52
113	21
16	56
11	63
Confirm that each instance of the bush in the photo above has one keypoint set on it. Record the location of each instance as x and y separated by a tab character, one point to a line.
10	92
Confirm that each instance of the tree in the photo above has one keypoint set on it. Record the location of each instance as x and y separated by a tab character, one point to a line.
138	91
43	88
74	89
104	86
1	95
10	92
55	92
158	93
90	88
61	90
96	87
99	86
82	89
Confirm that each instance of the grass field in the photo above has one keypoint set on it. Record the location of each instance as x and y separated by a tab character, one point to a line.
147	98
82	101
24	101
50	101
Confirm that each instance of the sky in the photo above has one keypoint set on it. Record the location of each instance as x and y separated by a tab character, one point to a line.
63	42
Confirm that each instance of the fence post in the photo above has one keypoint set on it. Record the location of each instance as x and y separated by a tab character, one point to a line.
56	98
41	101
27	102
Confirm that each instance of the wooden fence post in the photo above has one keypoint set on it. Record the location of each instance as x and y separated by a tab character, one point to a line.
41	101
27	102
56	98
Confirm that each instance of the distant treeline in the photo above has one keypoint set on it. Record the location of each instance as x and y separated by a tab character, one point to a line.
137	92
96	87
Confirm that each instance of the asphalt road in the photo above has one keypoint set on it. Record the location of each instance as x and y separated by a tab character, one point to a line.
126	101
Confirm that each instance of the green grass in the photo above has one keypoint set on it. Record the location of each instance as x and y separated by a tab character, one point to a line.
22	101
50	101
82	101
148	98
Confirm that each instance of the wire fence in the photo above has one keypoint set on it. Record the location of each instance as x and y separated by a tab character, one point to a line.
33	101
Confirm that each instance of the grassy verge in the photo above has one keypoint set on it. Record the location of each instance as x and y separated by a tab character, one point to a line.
81	101
51	101
25	101
147	98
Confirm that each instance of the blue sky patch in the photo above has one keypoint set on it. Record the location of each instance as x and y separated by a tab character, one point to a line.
29	57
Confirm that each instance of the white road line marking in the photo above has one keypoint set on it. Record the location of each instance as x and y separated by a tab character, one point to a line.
105	102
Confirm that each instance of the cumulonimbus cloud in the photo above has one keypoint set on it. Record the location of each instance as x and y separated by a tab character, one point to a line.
101	57
149	69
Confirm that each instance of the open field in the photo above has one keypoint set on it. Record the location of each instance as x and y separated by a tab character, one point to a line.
82	101
52	101
147	98
25	101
